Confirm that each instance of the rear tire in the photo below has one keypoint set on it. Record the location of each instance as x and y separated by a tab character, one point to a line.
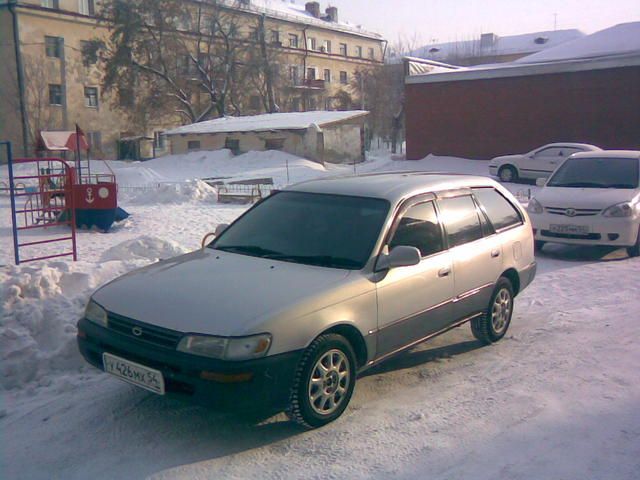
324	381
538	245
635	250
494	323
508	174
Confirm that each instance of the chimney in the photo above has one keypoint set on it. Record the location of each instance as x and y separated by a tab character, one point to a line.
332	14
488	40
313	8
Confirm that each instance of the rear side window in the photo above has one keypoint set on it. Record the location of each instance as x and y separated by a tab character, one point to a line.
419	228
460	218
501	212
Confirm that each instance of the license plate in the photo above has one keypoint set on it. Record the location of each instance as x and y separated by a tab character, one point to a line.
132	372
570	229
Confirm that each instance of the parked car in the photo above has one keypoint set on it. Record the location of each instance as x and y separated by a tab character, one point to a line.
592	199
539	163
312	286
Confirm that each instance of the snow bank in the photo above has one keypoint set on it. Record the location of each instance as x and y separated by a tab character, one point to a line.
41	304
143	248
171	193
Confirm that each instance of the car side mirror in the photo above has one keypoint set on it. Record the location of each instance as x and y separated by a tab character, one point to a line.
211	235
541	182
400	256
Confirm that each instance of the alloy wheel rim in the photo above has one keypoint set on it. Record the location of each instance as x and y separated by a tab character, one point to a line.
329	382
507	175
501	311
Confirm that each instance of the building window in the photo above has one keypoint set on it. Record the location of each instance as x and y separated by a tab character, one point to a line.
293	40
89	53
343	78
254	102
327	46
295	104
311	73
328	103
95	140
53	46
253	34
372	54
91	97
86	7
51	4
274	143
193	145
343	49
293	75
55	94
232	144
311	43
327	75
359	51
159	140
313	104
275	37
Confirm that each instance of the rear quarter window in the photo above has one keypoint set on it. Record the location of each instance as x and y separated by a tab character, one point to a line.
461	220
500	211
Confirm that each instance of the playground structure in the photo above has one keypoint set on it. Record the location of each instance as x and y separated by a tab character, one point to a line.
51	195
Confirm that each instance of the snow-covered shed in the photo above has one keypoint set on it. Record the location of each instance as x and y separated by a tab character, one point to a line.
586	90
323	136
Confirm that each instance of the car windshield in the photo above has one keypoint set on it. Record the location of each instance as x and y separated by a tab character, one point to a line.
335	231
597	173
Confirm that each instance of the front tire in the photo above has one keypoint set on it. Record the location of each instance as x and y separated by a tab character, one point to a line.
508	174
324	381
635	250
494	323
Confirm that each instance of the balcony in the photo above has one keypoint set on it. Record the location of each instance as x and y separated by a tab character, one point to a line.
309	84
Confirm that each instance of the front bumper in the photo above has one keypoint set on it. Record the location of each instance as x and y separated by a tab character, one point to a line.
618	232
269	385
493	170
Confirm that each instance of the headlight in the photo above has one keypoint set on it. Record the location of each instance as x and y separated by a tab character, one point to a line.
624	209
240	348
96	314
534	206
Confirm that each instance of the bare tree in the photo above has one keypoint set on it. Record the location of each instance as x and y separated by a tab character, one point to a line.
194	56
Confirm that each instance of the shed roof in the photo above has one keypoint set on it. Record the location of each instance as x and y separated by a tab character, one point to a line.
268	122
61	141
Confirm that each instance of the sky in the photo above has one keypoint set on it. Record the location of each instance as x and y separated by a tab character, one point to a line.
437	21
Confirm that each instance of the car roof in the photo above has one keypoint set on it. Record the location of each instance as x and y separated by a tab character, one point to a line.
392	186
608	154
572	144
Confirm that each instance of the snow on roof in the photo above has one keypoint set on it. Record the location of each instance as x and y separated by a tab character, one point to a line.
289	9
614	47
268	121
494	45
616	40
60	141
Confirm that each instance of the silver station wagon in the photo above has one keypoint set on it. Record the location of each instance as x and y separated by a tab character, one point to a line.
313	285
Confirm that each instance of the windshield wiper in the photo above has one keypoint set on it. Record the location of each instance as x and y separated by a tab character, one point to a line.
579	185
620	185
319	260
253	250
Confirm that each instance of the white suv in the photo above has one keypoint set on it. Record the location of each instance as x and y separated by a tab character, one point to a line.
591	199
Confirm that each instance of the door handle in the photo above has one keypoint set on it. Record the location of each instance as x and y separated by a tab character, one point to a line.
495	253
444	272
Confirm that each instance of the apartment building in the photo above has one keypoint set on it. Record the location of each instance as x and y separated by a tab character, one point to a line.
46	83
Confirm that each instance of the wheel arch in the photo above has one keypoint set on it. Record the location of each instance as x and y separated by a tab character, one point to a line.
354	337
513	276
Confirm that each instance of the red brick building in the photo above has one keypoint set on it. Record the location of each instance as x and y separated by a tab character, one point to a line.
583	92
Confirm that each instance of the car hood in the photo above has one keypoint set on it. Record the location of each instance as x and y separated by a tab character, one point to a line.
214	292
599	198
503	159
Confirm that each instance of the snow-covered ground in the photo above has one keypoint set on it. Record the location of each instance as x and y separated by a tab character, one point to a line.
556	399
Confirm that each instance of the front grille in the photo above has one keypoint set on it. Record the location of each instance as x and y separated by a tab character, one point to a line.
147	333
590	236
579	212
